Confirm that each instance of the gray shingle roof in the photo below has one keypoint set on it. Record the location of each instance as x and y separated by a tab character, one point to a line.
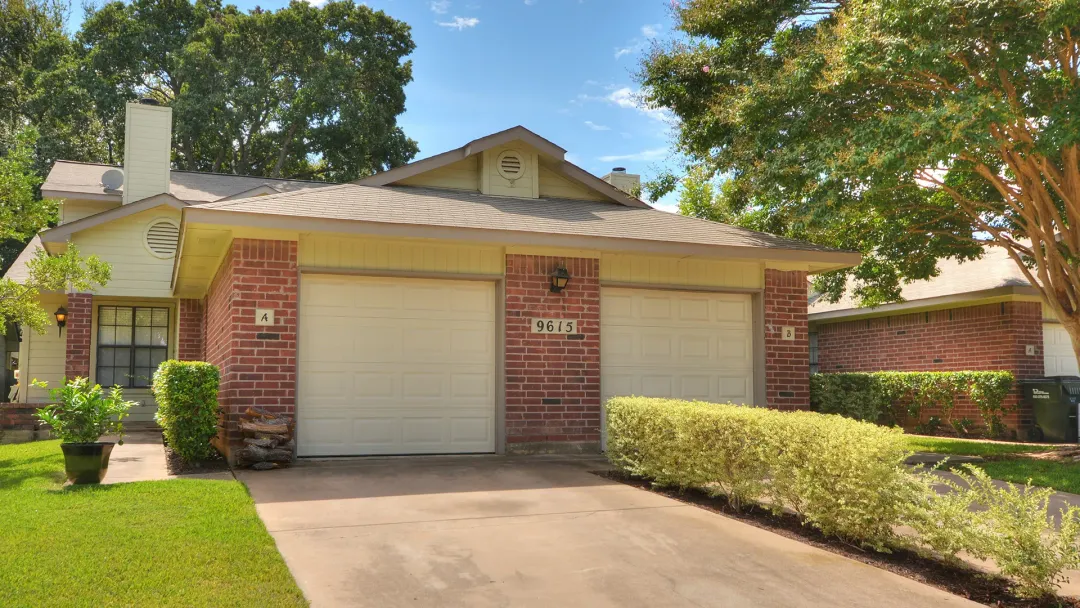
465	209
190	186
18	271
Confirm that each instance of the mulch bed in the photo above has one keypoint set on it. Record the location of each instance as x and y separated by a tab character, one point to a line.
965	582
178	466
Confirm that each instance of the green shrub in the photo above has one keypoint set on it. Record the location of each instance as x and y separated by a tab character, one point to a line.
898	395
186	393
842	476
82	413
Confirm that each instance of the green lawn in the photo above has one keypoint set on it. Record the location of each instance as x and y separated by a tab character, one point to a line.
944	445
184	542
1063	477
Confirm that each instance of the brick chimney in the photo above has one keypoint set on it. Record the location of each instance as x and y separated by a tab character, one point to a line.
147	149
627	182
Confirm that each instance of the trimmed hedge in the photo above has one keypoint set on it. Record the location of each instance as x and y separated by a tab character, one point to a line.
846	478
186	394
891	396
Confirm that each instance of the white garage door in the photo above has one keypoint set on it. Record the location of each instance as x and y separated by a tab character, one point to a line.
1058	356
688	345
396	366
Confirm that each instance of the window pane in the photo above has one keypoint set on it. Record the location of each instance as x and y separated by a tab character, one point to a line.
123	336
161	317
157	356
159	336
106	335
105	376
142	336
106	316
142	377
143	317
142	357
105	357
123	358
123	315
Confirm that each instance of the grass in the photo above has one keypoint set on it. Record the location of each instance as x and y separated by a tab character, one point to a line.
944	445
1061	476
183	542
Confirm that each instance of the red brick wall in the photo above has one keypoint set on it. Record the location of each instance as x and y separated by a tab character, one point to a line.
787	362
79	310
552	380
989	337
258	363
19	416
190	345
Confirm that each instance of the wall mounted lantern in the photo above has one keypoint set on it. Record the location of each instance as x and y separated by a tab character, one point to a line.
61	319
559	278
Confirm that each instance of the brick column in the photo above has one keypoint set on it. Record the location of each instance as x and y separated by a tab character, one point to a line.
79	310
190	323
258	363
787	362
552	380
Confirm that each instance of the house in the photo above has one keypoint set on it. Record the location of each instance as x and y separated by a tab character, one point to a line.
486	299
977	315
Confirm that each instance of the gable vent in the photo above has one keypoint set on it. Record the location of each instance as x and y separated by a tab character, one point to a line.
161	238
510	165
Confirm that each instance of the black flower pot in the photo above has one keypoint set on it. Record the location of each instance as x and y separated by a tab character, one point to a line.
86	462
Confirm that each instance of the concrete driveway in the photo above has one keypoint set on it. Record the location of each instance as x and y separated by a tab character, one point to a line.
501	531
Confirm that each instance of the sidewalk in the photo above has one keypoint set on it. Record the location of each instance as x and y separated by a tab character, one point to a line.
142	458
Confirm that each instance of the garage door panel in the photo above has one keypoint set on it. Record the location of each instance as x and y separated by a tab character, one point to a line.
410	368
1058	356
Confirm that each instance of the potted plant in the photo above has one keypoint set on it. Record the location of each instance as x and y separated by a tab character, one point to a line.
79	415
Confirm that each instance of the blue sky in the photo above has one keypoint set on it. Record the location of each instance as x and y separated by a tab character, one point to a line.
562	68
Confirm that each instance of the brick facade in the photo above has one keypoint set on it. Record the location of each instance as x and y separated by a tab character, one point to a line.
190	329
787	368
258	363
79	311
989	337
552	380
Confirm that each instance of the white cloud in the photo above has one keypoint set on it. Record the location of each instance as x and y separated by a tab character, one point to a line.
595	127
439	6
573	159
626	50
460	23
317	3
626	97
530	2
651	30
644	155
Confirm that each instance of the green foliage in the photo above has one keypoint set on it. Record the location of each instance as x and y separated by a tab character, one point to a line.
841	476
892	396
931	426
65	272
82	413
22	212
186	394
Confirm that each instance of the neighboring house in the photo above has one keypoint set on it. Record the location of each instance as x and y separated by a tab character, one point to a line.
409	312
978	315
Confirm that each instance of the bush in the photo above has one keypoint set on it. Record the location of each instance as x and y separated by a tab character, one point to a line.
841	476
890	396
82	413
186	393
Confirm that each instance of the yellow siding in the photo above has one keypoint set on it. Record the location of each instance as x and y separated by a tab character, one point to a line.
77	210
357	253
147	148
553	185
462	175
135	271
527	186
1048	313
43	356
685	272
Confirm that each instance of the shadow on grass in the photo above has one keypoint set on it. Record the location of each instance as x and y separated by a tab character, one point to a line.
15	472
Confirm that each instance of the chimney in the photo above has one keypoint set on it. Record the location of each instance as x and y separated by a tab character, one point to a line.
627	182
147	149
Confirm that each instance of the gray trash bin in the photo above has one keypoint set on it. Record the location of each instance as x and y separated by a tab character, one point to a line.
1053	402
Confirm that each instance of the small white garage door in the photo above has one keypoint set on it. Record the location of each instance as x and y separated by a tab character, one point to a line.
1058	356
396	366
689	345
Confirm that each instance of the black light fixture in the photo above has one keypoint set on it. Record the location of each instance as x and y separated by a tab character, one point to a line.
61	319
559	278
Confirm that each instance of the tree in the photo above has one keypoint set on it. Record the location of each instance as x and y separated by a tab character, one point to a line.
302	92
22	213
910	130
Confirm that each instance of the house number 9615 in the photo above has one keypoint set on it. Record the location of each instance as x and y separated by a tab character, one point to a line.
554	326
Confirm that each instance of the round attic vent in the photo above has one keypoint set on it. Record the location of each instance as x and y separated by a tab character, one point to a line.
510	165
161	238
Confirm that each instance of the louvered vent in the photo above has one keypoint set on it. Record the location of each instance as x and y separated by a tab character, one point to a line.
161	238
511	165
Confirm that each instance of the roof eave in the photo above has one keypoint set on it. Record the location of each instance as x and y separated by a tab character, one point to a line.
61	233
47	192
909	306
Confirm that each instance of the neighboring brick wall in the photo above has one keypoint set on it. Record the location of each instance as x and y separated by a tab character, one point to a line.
19	416
258	363
190	346
79	311
787	362
552	381
989	337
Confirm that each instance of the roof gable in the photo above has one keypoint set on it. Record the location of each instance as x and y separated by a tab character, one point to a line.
477	166
61	233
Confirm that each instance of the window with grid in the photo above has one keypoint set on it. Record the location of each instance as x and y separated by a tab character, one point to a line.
132	342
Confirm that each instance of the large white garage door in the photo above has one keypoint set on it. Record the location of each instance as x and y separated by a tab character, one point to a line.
396	366
1058	356
688	345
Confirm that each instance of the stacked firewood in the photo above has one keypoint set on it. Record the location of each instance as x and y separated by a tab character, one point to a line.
268	439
